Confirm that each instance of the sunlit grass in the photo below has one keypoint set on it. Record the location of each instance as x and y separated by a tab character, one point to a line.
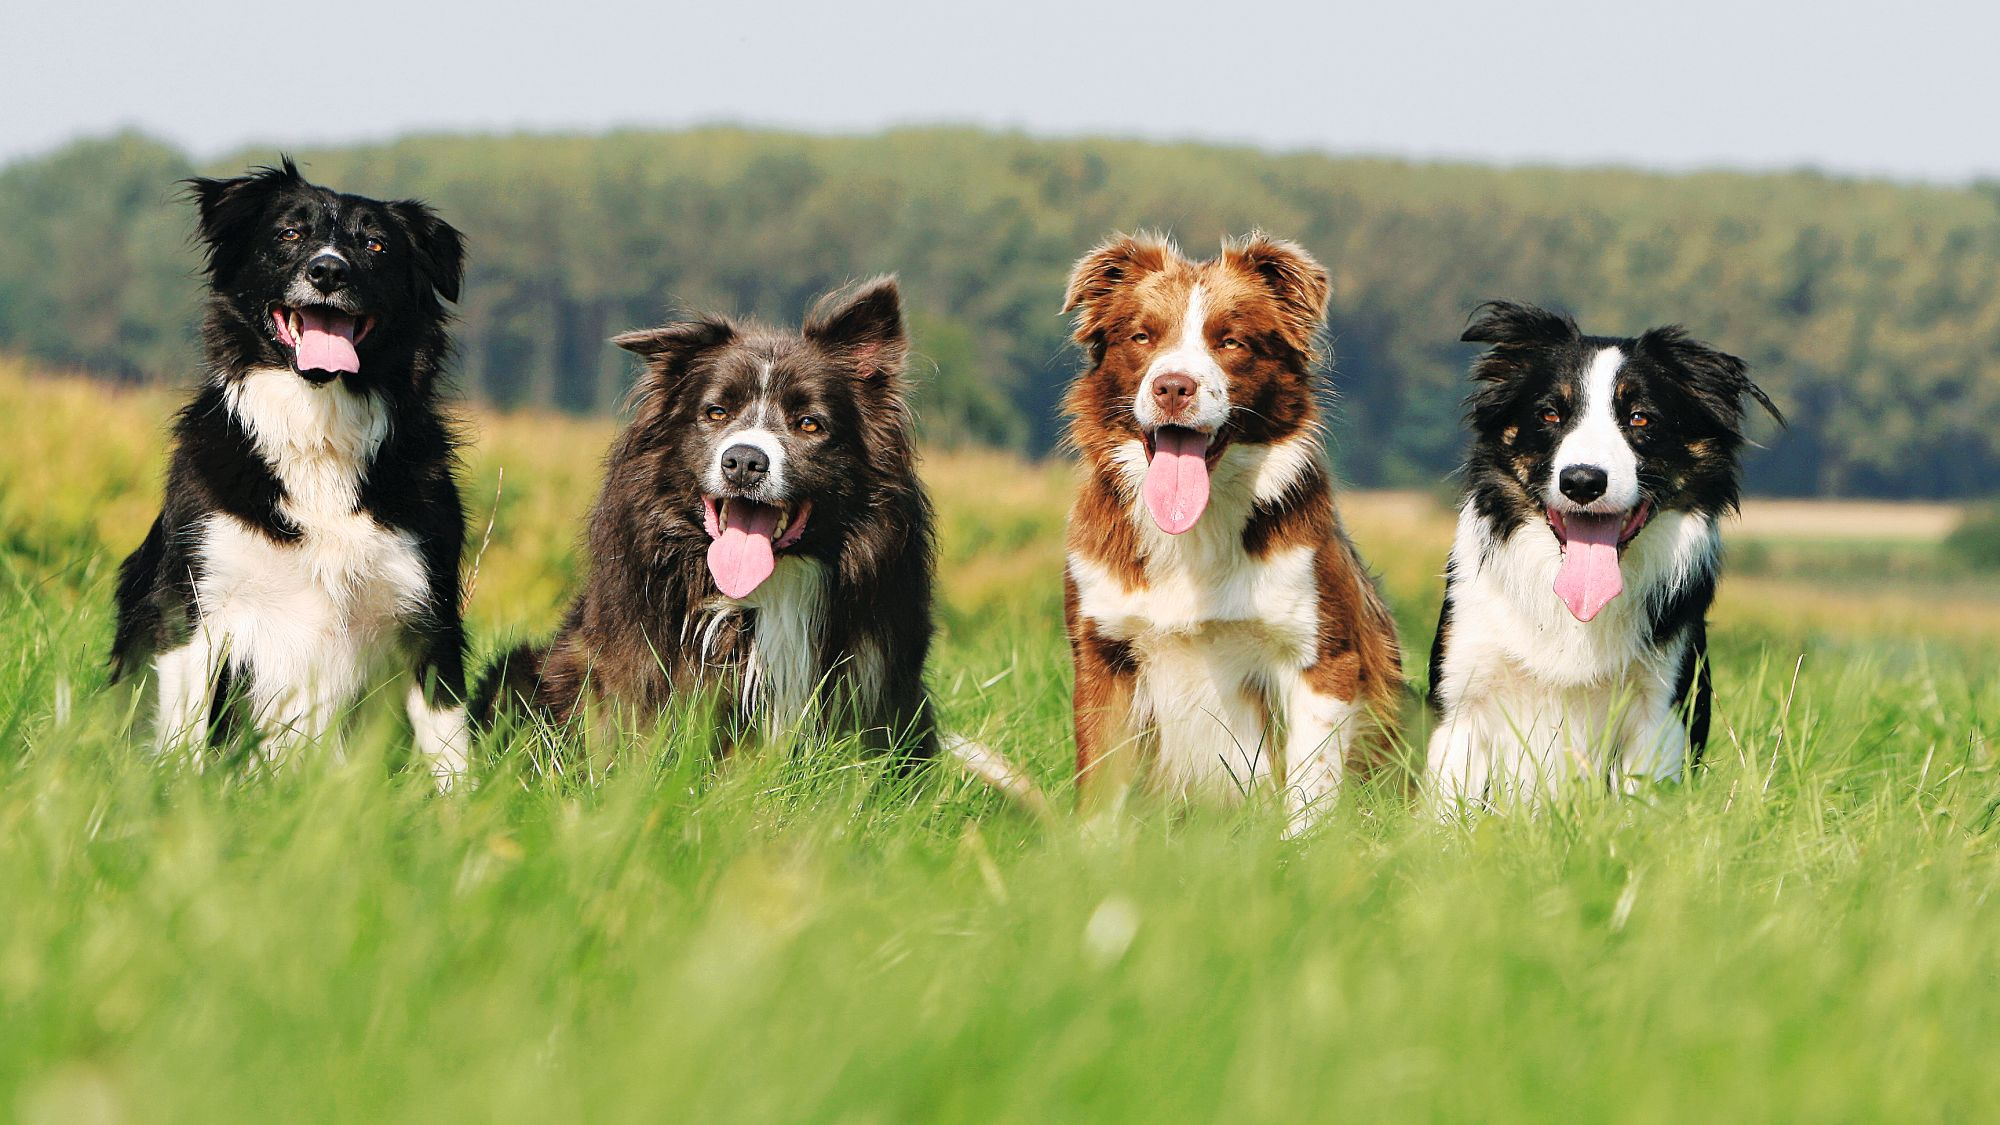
1805	932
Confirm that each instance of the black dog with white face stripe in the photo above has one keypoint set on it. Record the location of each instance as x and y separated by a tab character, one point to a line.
310	535
1572	643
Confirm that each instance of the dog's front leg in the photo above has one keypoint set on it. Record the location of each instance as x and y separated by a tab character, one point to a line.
1457	766
188	679
436	704
1320	726
1106	743
1656	751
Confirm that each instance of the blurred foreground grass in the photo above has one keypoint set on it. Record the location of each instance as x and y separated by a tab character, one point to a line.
1804	933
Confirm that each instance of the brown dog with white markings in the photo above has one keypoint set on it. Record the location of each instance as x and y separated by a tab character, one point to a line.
1224	631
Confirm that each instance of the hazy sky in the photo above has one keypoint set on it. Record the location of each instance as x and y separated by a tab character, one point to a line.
1903	89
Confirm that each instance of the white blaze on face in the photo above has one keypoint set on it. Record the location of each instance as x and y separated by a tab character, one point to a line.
762	440
1188	355
1598	439
751	427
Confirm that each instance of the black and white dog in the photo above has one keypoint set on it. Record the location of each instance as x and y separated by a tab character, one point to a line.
1572	647
761	532
311	528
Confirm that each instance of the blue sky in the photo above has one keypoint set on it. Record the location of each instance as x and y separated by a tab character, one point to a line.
1905	90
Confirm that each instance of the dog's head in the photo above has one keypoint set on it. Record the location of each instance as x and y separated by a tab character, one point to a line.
769	438
1597	435
1188	357
332	286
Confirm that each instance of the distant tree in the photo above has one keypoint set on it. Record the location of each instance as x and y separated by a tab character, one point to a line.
1870	311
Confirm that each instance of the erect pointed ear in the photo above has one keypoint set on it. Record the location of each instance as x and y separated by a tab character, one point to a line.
1509	323
1718	379
1293	276
1117	263
668	351
439	248
227	212
863	327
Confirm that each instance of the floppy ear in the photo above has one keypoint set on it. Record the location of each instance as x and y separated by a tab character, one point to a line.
1298	282
1502	371
1718	379
1509	323
668	352
439	248
1121	261
863	327
227	212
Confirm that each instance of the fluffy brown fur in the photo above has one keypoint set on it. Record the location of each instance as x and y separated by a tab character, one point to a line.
841	629
1314	639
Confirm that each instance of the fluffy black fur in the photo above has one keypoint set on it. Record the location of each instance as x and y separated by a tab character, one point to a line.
1537	359
651	622
261	234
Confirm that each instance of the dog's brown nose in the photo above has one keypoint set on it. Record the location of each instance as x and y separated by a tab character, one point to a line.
1174	394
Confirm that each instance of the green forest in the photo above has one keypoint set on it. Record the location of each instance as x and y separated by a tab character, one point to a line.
1870	310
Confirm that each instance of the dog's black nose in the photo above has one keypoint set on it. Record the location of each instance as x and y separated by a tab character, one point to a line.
1583	483
744	466
327	273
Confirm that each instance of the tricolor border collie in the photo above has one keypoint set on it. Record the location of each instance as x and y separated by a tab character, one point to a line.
761	534
1572	645
1224	632
311	528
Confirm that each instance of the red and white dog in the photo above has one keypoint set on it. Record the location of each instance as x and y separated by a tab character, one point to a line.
1224	631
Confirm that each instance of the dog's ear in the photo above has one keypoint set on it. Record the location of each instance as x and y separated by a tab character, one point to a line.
1097	275
1505	374
439	248
1717	379
668	352
1512	324
227	212
862	327
1293	276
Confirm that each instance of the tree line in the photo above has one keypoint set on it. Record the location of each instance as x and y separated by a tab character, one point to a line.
1870	310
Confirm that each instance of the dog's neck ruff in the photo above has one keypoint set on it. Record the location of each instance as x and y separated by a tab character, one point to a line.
319	441
780	677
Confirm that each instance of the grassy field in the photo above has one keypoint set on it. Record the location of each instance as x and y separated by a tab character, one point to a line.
1805	932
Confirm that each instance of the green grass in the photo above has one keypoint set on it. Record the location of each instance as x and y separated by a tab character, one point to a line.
1806	932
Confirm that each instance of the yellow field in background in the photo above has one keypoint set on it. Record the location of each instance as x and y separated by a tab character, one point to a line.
83	460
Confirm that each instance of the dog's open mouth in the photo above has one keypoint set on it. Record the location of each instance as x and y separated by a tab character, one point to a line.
1178	461
1591	546
745	537
322	339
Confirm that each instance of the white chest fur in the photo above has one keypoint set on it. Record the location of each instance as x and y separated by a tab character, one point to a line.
1219	636
305	621
1532	697
1504	605
782	673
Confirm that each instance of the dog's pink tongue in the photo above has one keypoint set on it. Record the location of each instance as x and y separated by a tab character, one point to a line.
1177	478
326	342
741	557
1589	577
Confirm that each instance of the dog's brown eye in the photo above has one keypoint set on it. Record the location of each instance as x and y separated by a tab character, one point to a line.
1141	338
715	413
1639	420
376	246
1232	344
809	424
1551	416
291	234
